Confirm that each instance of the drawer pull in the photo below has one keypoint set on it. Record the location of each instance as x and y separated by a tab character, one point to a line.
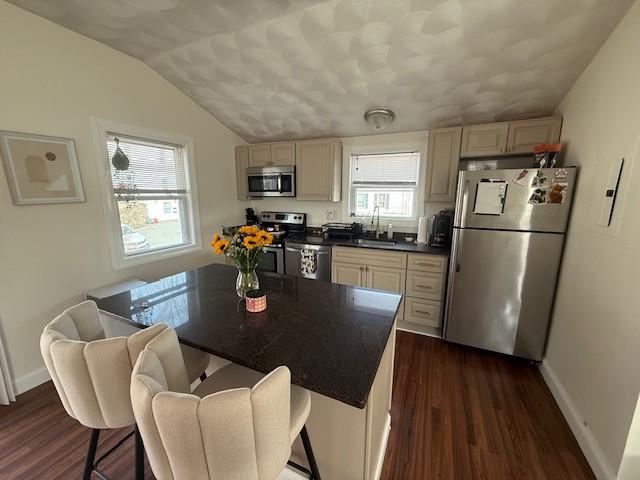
427	264
428	314
428	287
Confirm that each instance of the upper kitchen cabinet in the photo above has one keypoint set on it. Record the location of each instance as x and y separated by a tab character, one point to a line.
260	155
242	162
283	153
484	140
443	154
270	154
526	134
319	170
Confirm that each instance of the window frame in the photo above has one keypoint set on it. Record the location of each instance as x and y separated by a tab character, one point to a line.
119	260
381	144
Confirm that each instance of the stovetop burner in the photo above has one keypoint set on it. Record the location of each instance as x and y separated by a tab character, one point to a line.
283	224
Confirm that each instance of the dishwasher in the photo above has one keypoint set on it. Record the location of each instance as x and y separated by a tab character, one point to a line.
308	261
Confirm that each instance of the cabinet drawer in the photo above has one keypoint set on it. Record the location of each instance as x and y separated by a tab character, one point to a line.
369	256
429	286
427	263
423	312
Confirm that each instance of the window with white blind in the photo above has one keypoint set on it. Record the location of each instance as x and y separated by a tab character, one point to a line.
150	198
386	180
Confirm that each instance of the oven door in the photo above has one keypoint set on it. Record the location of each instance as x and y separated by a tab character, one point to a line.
272	260
271	181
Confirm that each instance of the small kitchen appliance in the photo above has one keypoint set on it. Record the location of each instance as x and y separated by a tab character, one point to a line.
278	181
440	228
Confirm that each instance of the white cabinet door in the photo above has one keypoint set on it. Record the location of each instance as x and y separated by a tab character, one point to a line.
526	134
260	155
348	274
484	140
382	278
318	168
443	153
242	161
283	153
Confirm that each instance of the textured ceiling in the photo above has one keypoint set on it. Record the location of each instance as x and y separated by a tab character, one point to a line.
276	69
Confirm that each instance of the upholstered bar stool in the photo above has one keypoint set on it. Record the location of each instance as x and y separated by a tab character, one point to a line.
230	428
92	375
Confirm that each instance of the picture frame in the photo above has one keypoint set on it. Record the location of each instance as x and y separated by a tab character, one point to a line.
41	169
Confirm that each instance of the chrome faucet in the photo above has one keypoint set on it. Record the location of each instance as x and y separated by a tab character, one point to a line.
377	207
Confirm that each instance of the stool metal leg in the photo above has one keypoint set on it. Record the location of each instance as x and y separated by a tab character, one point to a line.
91	454
139	456
313	466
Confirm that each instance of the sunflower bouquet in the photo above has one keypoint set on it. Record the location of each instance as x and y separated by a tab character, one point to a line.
245	246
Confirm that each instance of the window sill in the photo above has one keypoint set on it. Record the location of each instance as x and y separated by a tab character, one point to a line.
122	263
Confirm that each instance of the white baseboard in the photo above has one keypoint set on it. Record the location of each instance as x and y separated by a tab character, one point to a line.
601	467
31	380
387	429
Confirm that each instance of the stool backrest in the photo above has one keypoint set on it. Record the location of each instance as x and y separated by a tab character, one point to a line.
239	434
91	373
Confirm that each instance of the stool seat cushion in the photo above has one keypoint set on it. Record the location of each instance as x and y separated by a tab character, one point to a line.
196	361
236	376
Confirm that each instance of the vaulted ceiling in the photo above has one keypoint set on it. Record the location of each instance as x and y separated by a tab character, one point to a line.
278	69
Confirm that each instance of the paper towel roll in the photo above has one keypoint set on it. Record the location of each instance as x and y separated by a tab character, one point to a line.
422	230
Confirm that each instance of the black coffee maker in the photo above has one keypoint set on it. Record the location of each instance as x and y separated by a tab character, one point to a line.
440	229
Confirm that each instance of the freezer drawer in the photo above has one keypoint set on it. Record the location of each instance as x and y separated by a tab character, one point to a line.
501	290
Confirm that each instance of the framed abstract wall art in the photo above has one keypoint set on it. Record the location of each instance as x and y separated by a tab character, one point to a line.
41	169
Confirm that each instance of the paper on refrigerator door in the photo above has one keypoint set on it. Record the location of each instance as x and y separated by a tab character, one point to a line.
490	198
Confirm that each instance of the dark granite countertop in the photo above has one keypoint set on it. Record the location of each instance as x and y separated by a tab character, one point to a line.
331	336
399	246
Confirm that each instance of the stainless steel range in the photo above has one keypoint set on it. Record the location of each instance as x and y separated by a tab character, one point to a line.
280	225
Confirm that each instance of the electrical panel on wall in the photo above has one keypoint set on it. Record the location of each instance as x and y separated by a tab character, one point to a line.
610	193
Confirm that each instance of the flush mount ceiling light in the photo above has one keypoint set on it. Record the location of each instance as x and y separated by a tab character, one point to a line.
379	118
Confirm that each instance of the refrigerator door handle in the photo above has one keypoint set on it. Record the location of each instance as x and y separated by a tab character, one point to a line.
453	262
462	195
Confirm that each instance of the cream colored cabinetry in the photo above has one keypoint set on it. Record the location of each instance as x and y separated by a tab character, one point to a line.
242	162
270	154
362	267
443	153
283	153
318	170
425	290
484	140
526	134
260	155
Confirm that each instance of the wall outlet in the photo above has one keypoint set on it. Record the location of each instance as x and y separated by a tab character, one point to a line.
332	214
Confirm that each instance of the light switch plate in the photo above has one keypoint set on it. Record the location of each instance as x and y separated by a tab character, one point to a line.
611	192
331	214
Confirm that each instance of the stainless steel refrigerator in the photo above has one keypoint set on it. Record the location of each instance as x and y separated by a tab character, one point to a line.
508	237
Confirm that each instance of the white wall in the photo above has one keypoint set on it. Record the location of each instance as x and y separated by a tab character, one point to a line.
594	343
317	211
52	82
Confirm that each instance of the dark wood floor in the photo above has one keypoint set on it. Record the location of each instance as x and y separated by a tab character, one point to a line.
461	413
457	414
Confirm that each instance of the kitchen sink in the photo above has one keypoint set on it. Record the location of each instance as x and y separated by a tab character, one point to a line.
374	242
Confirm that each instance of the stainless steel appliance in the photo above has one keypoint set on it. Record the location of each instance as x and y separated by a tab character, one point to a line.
308	261
343	231
279	181
279	224
441	228
508	236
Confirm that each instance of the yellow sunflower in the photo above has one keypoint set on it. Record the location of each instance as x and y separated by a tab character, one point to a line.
216	239
250	242
221	246
249	229
264	237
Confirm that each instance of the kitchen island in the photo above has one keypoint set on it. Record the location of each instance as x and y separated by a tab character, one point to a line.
338	341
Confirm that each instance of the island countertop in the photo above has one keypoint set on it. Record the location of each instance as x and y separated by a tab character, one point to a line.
331	336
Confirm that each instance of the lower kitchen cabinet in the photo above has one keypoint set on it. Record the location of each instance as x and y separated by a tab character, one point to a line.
420	278
348	274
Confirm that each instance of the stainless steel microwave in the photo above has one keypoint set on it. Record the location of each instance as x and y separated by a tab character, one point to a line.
272	181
